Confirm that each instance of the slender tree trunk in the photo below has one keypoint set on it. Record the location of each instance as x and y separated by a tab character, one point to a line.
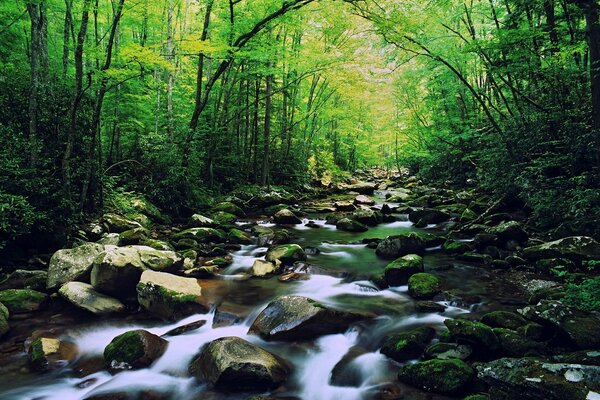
267	131
590	8
171	77
66	35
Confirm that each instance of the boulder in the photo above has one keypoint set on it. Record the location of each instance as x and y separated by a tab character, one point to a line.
448	351
50	353
200	221
428	216
504	319
400	245
291	318
169	296
133	236
423	286
429	307
23	300
158	245
262	268
133	350
475	334
362	199
344	206
224	218
455	247
72	264
513	344
363	187
439	376
287	254
534	379
407	345
367	217
575	248
201	235
230	208
350	225
286	217
234	364
239	237
159	260
577	327
400	270
25	279
83	295
117	270
508	231
118	224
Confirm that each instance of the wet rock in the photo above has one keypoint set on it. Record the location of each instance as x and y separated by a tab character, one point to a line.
118	224
400	270
345	373
363	187
201	235
25	279
286	217
455	247
293	276
158	245
159	260
513	344
287	254
575	248
223	218
116	271
475	334
182	330
344	206
577	327
237	365
169	296
503	319
428	216
508	231
400	245
292	318
133	236
423	286
72	264
134	350
23	300
367	217
262	268
200	221
448	351
50	353
533	379
440	376
205	272
408	345
230	208
350	225
534	331
83	295
362	199
429	307
239	237
223	319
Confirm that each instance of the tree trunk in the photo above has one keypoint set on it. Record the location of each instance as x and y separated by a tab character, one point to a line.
66	35
267	131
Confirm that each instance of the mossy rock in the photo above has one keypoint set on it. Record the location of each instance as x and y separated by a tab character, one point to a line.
239	237
513	344
133	236
503	319
400	270
448	351
221	262
49	353
230	208
407	345
478	335
202	235
23	300
185	244
117	224
224	218
400	245
439	376
455	247
288	254
158	245
350	225
133	350
423	286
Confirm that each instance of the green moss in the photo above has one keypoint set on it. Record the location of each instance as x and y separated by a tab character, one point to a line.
37	358
22	300
441	376
126	348
423	286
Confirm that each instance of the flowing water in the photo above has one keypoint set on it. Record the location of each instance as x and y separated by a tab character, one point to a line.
338	277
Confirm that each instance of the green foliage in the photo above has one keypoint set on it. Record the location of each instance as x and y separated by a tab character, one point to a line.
586	295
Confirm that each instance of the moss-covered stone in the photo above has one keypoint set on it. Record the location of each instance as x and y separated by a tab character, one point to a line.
230	208
513	344
503	319
479	336
407	345
400	245
239	237
287	254
423	286
224	218
72	264
133	350
158	245
48	353
440	376
202	235
22	300
448	351
350	225
133	236
455	247
117	223
400	270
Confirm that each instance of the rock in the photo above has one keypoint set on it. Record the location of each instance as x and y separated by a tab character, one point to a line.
118	224
408	345
117	270
350	225
400	270
503	319
169	296
455	247
533	331
72	264
286	217
367	217
579	328
400	245
83	295
134	350
201	235
576	248
159	260
440	376
429	307
144	206
347	371
200	221
230	208
23	300
428	216
363	187
133	236
513	344
362	199
224	218
508	231
555	265
181	330
533	379
293	277
262	268
344	206
25	279
239	237
4	315
234	364
475	334
448	351
423	286
291	318
585	357
50	353
287	254
158	245
483	240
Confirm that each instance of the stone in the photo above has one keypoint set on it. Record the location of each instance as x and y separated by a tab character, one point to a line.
407	345
428	216
508	231
503	319
513	344
224	218
200	221
158	245
398	272
50	353
576	248
475	334
439	376
239	237
455	247
286	217
350	225
23	300
363	187
159	260
133	236
182	330
448	351
116	271
262	268
423	286
234	364
201	235
287	254
133	350
169	296
25	279
362	199
400	245
83	295
230	208
429	307
291	318
72	264
118	224
344	206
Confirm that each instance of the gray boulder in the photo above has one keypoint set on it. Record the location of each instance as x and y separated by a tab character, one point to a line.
83	295
72	264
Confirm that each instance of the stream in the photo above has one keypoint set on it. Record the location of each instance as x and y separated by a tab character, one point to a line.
338	277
